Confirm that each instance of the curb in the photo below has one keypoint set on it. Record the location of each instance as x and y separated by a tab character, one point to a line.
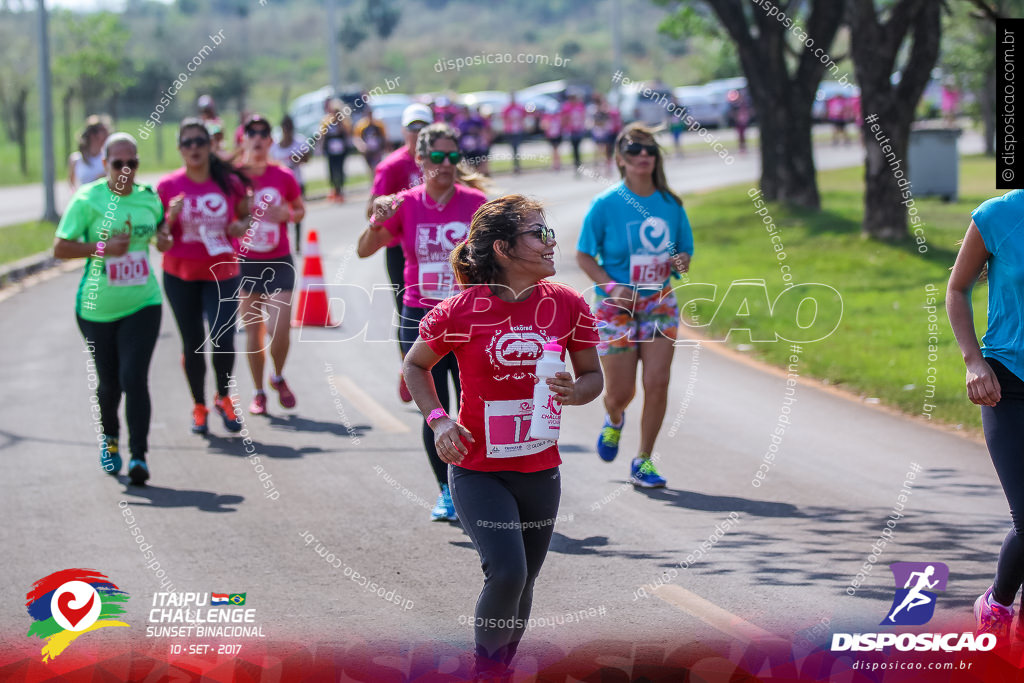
22	268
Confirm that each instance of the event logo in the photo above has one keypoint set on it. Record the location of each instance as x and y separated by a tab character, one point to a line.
914	603
70	603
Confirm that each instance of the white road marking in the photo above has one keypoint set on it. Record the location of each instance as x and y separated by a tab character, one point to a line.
381	418
712	615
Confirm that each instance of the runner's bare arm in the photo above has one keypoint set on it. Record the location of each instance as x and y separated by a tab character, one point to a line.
449	436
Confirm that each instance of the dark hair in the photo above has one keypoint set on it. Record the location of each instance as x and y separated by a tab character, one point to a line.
220	171
475	261
639	130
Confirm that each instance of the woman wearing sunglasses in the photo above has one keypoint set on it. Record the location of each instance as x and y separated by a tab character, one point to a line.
207	209
429	219
505	484
111	222
635	233
399	171
267	268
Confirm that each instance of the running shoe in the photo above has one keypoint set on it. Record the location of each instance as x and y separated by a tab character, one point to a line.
284	394
403	390
110	460
199	413
608	441
991	618
138	472
444	508
259	404
644	474
226	409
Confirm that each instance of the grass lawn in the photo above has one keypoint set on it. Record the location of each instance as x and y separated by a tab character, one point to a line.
880	347
25	239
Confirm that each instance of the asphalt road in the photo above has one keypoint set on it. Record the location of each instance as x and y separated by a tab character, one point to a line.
348	466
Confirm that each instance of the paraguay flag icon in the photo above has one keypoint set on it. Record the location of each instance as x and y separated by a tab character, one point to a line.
70	603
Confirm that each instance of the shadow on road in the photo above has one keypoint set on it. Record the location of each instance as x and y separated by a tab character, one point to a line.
163	497
294	423
234	446
692	500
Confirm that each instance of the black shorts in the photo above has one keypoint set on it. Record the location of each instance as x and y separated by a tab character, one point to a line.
555	142
268	275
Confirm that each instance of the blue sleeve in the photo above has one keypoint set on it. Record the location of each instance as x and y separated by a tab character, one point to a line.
592	234
998	217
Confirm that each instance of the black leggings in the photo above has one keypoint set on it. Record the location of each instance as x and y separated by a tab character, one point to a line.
191	301
122	350
445	368
336	169
1004	434
510	517
575	140
394	258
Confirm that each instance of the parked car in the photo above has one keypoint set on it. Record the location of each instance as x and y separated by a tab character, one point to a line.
702	106
388	109
726	91
307	111
634	105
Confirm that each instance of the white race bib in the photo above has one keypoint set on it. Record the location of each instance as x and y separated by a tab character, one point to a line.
507	429
437	280
130	270
215	240
265	237
335	145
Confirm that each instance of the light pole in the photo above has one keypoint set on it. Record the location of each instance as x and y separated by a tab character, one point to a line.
46	109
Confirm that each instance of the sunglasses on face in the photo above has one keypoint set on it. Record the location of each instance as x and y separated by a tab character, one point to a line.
189	143
634	148
543	233
118	164
261	132
416	127
439	157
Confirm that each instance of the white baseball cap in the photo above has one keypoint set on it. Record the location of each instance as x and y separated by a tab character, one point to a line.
417	112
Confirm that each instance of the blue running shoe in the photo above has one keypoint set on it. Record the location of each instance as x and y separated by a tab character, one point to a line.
138	472
444	508
644	474
110	459
608	441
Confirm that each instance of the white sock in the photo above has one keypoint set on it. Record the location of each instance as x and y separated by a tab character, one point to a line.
992	601
276	378
608	419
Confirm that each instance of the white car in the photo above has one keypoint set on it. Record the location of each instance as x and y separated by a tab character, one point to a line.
702	106
387	109
307	111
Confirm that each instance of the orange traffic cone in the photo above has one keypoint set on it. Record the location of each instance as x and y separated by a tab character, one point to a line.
312	309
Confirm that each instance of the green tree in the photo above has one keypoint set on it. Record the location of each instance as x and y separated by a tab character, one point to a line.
782	76
17	75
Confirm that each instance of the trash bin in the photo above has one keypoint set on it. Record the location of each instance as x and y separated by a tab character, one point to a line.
934	162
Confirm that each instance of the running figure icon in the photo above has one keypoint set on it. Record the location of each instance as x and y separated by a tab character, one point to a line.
915	597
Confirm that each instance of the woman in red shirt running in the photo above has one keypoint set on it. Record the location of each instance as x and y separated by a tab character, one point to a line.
268	271
504	483
207	208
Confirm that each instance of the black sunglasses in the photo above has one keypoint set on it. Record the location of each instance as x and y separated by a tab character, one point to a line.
439	157
118	164
634	148
189	143
253	132
543	233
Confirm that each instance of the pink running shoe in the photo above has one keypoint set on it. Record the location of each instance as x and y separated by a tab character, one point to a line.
259	404
993	618
284	394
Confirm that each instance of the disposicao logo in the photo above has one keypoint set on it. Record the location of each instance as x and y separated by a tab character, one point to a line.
70	603
914	605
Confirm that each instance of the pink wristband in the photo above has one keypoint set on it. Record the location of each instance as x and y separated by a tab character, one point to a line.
436	413
100	247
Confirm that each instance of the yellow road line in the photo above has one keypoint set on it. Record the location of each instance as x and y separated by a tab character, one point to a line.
711	614
381	418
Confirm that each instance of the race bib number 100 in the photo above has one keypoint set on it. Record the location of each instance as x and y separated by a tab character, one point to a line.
129	270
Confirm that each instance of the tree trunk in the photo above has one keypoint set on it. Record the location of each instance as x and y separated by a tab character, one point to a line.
782	90
987	103
888	110
20	128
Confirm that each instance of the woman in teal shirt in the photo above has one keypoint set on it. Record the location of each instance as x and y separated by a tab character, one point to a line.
995	378
634	235
110	223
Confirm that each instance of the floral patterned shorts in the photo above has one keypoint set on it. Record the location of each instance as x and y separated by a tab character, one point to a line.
621	328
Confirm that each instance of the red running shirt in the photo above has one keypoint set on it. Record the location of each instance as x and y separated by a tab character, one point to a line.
497	344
